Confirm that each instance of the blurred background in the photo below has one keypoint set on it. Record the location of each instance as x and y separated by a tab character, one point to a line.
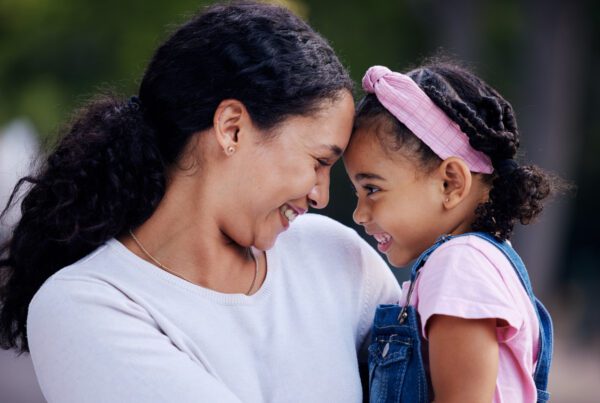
542	55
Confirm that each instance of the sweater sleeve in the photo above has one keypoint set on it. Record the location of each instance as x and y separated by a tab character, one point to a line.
379	286
90	343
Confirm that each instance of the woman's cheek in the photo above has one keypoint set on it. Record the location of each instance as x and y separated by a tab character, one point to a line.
305	182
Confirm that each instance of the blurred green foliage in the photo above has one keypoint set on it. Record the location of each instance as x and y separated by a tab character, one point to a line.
56	54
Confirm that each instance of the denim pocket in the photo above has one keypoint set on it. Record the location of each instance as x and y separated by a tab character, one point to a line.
388	361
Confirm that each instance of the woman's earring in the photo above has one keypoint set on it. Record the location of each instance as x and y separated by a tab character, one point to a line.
230	150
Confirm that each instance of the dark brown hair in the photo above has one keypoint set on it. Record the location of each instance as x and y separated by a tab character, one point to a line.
107	173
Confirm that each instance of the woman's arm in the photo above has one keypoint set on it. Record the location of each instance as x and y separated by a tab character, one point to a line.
463	358
90	343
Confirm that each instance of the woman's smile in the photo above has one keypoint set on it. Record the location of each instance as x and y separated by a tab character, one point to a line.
289	213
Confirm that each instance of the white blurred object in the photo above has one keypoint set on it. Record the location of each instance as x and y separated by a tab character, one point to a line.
19	147
18	383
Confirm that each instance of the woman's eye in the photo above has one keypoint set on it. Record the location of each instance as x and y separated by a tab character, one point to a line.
323	163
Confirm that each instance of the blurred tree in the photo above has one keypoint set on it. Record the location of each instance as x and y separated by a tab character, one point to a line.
580	274
549	103
542	55
53	55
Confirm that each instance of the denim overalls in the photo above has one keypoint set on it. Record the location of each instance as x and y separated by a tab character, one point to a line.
396	365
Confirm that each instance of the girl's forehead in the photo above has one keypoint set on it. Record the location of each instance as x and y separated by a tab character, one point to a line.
369	142
367	155
363	150
365	137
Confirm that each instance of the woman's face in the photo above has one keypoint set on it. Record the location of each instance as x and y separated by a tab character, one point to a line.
280	176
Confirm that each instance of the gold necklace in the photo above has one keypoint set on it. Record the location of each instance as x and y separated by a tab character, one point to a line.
165	268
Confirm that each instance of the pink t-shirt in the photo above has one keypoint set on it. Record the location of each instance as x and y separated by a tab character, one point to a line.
470	278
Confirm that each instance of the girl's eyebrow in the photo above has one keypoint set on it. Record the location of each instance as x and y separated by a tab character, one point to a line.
366	175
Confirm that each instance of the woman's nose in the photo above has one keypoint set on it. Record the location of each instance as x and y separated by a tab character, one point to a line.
319	194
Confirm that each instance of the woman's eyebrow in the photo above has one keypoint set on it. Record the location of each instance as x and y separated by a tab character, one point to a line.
333	149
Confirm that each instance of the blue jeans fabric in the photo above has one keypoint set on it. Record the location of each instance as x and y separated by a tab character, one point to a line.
397	371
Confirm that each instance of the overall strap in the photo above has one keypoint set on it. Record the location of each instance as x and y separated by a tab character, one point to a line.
414	273
424	256
545	322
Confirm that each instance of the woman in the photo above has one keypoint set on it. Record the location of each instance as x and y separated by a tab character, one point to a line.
158	239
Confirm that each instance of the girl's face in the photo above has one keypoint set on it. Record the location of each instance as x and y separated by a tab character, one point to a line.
280	178
398	204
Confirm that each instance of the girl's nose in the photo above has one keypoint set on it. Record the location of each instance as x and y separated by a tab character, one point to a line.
360	215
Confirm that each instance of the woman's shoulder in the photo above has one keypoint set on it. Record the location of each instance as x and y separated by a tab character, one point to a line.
318	222
85	277
342	261
323	238
317	228
82	297
85	268
329	246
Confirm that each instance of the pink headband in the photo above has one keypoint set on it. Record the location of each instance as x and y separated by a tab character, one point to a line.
404	99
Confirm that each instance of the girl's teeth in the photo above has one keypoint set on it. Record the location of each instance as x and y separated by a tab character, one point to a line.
382	238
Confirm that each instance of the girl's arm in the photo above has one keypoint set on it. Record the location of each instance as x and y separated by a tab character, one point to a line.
463	358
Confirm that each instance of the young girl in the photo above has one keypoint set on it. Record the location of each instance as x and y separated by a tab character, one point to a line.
432	161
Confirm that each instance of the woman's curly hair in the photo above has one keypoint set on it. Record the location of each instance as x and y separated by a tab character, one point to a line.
107	173
517	193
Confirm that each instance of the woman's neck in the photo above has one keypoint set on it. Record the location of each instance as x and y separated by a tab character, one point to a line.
185	237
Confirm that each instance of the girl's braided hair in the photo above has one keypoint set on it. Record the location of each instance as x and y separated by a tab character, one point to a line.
517	191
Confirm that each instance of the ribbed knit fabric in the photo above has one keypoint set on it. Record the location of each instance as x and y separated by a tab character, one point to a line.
114	328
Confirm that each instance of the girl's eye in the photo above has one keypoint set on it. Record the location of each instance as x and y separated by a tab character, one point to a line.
323	163
371	189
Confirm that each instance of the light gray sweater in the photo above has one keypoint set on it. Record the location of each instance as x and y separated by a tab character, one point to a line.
114	328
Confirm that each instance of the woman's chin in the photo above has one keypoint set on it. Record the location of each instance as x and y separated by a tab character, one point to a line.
265	242
263	246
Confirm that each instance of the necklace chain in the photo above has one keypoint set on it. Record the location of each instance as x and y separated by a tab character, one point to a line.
165	268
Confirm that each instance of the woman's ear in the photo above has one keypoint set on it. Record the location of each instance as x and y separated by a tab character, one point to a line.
230	116
457	181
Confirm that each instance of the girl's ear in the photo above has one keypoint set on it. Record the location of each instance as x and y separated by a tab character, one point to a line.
457	181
